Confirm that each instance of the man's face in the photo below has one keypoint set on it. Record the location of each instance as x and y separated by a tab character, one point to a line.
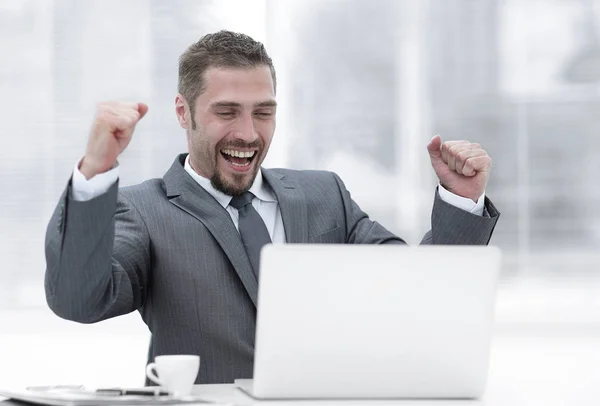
235	122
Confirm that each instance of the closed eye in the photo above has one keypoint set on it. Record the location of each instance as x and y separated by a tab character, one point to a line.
264	114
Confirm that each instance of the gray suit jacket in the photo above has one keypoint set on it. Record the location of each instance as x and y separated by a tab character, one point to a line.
168	249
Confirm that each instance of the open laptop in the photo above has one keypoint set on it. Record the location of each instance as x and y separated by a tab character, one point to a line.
373	321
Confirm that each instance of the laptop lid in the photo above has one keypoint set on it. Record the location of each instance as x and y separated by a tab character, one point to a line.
372	321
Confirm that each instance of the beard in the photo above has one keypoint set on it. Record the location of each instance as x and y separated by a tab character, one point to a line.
240	184
236	184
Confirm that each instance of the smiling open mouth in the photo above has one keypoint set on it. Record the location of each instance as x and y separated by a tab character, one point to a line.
238	158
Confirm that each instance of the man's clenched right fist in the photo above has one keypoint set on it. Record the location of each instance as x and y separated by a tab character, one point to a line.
110	134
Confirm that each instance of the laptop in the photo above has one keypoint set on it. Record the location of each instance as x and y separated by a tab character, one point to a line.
373	321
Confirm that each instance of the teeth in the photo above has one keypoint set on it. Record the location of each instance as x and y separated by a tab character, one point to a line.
238	154
241	165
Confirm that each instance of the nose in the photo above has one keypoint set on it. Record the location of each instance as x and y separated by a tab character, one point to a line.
245	130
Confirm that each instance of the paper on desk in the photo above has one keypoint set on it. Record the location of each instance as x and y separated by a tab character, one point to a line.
65	396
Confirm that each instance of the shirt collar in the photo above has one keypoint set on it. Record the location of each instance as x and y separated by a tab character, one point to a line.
259	188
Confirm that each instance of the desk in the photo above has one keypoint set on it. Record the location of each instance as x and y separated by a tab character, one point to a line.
544	366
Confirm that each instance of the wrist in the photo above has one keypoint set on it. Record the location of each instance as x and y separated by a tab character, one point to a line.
89	169
470	196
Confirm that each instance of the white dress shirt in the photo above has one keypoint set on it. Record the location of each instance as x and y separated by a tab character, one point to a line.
265	201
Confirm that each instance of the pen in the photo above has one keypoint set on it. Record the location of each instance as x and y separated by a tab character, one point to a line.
132	392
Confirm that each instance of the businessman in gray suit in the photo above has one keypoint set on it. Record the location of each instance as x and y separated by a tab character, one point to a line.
183	250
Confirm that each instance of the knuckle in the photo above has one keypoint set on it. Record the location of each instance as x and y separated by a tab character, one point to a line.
456	147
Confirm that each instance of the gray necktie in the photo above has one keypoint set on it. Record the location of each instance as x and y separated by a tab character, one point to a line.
251	227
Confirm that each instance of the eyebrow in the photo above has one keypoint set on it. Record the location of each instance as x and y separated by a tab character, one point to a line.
267	103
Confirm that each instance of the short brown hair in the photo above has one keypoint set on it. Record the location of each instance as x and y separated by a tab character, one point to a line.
223	49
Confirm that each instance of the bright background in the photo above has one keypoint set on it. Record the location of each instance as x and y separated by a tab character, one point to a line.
363	85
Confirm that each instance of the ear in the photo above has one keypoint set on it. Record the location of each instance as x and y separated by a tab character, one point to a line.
181	110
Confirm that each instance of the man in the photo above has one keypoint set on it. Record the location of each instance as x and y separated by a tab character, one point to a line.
183	250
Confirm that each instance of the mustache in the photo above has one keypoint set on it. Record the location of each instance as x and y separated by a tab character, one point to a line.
240	144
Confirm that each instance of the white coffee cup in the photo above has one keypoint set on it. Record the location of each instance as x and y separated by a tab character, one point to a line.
175	373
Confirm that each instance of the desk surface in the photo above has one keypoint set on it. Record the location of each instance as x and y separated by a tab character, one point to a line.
552	368
548	368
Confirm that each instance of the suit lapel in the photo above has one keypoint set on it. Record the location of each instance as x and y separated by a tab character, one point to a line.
292	203
185	193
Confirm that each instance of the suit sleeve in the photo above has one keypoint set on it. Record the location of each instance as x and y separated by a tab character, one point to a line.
449	224
453	226
97	257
